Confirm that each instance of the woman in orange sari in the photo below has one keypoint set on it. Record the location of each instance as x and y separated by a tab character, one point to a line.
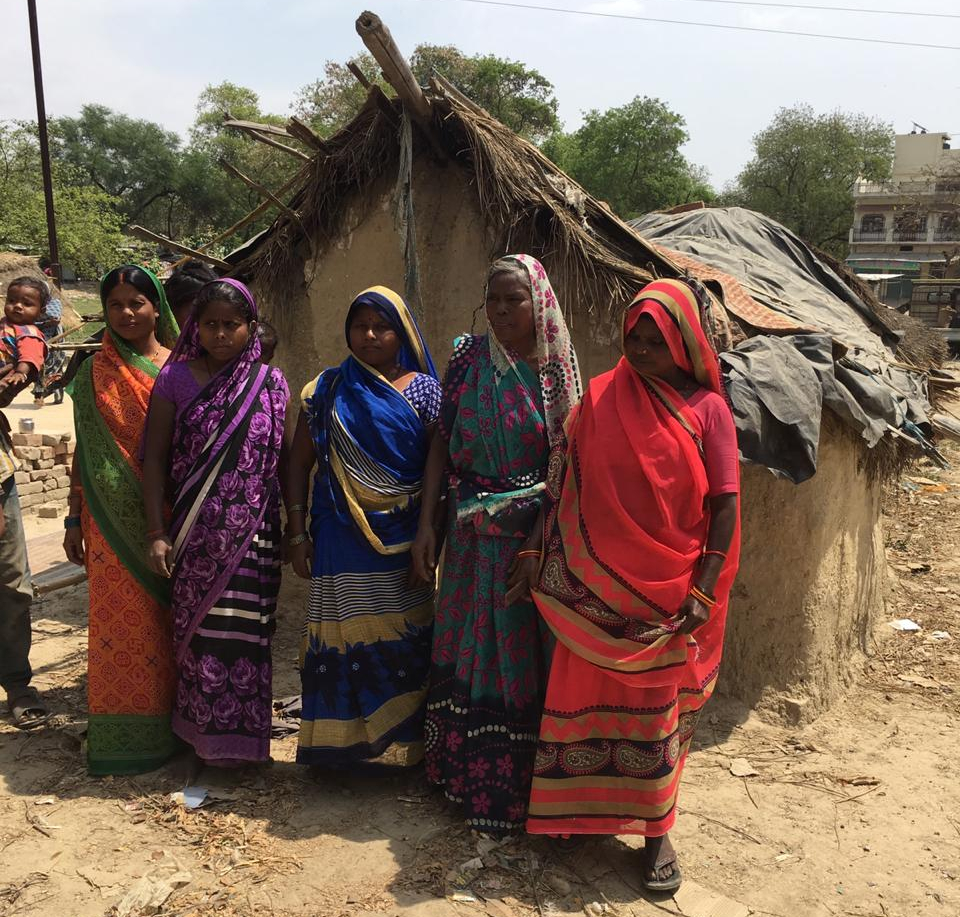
131	675
640	551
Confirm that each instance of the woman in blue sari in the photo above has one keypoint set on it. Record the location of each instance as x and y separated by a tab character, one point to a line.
365	657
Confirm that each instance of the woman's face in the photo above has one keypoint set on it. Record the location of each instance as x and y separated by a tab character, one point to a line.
130	314
510	311
373	339
646	350
223	331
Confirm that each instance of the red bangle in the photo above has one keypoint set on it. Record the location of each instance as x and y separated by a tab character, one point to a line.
703	597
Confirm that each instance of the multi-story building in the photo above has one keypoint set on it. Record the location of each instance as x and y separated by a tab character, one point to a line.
908	227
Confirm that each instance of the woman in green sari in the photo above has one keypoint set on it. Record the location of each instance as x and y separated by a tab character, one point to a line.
505	397
131	676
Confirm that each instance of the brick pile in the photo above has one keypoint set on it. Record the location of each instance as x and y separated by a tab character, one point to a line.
43	482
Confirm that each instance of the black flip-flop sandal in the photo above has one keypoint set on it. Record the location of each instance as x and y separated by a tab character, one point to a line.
663	886
28	711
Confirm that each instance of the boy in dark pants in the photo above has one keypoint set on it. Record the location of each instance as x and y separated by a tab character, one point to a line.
16	591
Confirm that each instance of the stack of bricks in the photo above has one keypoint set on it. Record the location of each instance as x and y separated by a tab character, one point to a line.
43	481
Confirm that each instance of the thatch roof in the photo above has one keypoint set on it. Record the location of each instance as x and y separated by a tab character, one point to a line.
529	203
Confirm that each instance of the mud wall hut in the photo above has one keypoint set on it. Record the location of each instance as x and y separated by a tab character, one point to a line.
421	194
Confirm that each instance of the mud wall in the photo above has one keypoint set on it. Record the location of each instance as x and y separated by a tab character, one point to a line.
811	581
812	569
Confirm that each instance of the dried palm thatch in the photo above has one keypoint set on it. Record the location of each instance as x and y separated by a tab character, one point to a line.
528	202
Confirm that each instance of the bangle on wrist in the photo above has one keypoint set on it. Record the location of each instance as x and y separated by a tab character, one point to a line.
529	552
722	554
703	597
71	522
294	540
296	508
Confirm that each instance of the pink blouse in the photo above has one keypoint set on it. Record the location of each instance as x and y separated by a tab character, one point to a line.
720	455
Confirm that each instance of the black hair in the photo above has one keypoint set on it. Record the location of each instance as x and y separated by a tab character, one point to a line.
185	282
219	290
137	277
32	283
267	333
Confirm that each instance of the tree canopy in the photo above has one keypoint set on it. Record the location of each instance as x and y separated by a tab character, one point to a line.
804	169
630	158
519	96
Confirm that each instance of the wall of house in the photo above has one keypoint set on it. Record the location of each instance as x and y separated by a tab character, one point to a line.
811	582
812	562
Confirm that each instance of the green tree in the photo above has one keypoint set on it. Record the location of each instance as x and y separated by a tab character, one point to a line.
88	218
804	169
225	198
133	160
519	96
630	158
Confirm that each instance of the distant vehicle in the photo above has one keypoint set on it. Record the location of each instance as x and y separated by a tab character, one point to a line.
936	303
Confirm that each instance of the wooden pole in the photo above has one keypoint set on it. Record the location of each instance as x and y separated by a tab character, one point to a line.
260	189
259	210
263	138
55	268
376	36
256	126
358	73
149	236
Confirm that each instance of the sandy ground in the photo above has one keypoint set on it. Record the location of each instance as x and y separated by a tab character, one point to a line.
857	814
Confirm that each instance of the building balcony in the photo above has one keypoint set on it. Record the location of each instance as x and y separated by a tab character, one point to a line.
928	236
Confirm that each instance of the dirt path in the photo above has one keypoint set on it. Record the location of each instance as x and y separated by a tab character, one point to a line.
857	814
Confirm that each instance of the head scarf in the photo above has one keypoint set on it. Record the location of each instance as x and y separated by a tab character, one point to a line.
167	329
674	307
557	366
188	346
414	355
359	421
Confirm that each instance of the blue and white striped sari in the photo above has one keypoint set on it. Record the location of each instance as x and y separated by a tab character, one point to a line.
365	654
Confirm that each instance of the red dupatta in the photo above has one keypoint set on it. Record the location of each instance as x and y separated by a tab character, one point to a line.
629	516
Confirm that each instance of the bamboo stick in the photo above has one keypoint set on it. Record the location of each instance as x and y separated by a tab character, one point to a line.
149	236
376	36
257	211
358	73
304	133
260	189
256	126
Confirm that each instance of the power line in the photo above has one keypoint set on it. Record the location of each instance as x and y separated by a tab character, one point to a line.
711	25
828	9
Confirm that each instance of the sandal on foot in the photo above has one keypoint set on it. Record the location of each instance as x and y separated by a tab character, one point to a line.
27	710
672	882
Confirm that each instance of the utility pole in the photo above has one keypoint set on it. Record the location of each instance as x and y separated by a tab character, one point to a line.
44	146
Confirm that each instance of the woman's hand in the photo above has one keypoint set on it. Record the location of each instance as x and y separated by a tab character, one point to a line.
159	556
423	554
523	576
73	545
301	557
693	614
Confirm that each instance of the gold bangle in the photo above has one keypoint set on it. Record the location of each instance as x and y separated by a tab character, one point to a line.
529	552
296	508
294	540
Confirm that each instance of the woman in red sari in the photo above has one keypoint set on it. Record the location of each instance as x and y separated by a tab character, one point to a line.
641	548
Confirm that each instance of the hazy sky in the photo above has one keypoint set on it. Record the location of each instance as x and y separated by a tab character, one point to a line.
151	59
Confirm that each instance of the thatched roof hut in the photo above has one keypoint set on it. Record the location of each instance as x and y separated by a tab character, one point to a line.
420	193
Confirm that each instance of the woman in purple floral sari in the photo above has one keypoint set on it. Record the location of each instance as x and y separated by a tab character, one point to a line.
215	433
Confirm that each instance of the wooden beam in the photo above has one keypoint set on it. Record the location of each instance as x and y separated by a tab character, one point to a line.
256	126
383	103
260	189
257	211
376	36
149	236
269	141
304	133
358	73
